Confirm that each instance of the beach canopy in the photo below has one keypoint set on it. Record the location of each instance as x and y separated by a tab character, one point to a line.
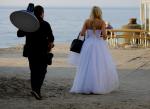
24	20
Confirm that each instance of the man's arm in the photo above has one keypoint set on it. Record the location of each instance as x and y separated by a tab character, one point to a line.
50	38
50	35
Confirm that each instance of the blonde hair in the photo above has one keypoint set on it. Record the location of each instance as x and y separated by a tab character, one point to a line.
96	13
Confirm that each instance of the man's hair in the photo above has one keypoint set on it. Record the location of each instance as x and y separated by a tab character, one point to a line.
38	10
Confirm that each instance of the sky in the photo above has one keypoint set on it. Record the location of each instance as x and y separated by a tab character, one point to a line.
73	3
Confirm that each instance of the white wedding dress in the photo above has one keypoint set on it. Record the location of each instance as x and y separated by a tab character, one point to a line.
96	72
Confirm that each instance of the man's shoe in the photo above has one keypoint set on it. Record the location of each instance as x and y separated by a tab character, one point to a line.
36	95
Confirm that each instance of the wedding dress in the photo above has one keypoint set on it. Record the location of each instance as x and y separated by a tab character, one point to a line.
96	72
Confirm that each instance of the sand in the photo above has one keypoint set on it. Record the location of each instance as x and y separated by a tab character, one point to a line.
133	66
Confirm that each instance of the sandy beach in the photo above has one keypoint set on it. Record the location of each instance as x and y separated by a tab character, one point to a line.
133	66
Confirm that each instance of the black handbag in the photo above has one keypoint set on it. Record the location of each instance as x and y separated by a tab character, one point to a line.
76	44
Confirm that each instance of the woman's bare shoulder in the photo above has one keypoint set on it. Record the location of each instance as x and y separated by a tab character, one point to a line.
103	22
87	20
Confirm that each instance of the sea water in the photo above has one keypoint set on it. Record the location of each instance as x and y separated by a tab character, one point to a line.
66	23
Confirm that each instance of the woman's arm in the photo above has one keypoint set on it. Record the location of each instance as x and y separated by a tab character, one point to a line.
104	30
82	33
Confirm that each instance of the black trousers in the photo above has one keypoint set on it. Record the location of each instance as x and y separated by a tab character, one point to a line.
38	71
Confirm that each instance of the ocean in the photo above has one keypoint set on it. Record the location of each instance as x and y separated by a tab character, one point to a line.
66	23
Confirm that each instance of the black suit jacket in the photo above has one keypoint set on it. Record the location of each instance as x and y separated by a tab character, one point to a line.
36	44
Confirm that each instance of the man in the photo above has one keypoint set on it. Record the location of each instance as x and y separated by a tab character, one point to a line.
108	26
37	46
132	24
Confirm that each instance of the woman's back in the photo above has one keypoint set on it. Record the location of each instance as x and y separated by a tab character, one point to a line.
94	24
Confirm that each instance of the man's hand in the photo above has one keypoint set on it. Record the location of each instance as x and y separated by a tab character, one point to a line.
21	33
50	46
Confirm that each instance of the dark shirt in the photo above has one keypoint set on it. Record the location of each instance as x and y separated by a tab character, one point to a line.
109	27
37	42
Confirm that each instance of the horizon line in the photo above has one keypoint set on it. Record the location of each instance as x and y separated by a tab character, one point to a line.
73	7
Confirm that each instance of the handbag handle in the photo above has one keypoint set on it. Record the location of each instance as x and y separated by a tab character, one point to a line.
79	36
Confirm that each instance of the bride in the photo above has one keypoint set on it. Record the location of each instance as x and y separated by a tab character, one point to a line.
96	72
